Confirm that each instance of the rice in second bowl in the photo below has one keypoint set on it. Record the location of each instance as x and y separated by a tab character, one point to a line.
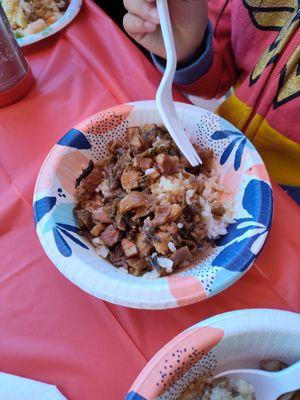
218	389
28	17
146	210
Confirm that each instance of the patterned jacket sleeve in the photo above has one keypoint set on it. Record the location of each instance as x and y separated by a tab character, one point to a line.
213	72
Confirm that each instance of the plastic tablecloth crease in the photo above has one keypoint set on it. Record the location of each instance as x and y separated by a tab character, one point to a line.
49	329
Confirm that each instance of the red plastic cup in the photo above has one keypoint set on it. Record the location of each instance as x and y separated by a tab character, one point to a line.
15	75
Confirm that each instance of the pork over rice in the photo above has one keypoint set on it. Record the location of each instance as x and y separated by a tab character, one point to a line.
145	209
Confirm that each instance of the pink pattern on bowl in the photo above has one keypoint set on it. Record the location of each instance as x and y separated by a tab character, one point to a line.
185	287
105	120
259	171
69	168
176	358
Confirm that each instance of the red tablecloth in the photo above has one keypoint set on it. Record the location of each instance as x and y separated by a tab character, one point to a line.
50	330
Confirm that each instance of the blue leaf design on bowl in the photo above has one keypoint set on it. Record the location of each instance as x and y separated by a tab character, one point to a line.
61	244
75	138
232	256
257	201
241	235
233	231
62	230
238	138
225	134
75	240
228	151
134	396
68	227
42	206
239	154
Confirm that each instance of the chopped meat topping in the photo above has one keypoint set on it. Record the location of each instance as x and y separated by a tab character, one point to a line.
144	207
117	257
176	212
162	214
137	265
181	255
207	157
143	211
197	233
143	163
129	248
142	244
167	164
272	365
160	242
100	215
218	209
149	133
87	186
134	138
97	229
110	235
118	147
84	219
130	179
133	200
84	173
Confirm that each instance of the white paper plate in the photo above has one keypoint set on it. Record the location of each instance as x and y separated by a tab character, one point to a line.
63	21
238	339
242	171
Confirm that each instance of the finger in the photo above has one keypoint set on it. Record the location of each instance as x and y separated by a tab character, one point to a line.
143	9
136	27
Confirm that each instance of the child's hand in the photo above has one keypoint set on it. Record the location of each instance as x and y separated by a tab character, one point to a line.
189	21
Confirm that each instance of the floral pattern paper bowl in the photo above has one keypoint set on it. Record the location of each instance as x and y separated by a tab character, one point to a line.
241	170
70	13
238	339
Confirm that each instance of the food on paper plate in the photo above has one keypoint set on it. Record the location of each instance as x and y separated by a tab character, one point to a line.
27	17
145	209
218	389
208	388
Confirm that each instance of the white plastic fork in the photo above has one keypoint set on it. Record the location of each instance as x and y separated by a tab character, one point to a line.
268	385
164	98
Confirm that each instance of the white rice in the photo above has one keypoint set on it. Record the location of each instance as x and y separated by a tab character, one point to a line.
102	250
215	226
96	241
166	263
224	389
172	247
220	394
149	171
244	389
188	196
212	190
166	185
151	275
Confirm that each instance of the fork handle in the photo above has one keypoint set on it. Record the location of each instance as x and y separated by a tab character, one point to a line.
167	34
290	379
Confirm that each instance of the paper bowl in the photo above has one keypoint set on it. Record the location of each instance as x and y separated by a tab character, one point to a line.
241	170
70	13
239	339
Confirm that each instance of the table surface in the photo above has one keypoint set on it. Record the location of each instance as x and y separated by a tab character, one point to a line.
50	330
